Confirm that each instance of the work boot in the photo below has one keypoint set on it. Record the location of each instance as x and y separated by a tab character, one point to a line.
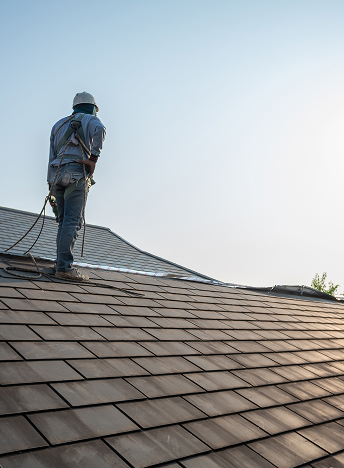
72	275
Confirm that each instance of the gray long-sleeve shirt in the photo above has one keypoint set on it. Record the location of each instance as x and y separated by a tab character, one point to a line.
94	132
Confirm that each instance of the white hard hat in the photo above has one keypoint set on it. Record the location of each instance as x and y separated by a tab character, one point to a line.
84	98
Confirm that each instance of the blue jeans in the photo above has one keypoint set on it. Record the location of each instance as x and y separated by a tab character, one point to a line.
70	210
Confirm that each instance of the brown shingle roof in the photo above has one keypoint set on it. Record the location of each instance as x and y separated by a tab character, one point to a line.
190	374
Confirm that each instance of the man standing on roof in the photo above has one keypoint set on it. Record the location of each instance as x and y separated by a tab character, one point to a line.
77	140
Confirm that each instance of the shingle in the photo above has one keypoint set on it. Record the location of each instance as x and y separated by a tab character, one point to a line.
280	346
287	450
304	345
27	304
17	332
267	396
125	321
243	335
21	317
210	324
220	403
327	436
114	276
224	431
285	358
337	401
169	348
333	385
272	334
123	334
253	360
96	298
10	292
237	457
136	301
17	434
115	290
36	371
16	282
71	425
248	346
166	365
139	311
152	413
166	312
316	411
323	369
217	380
275	420
7	353
259	376
83	308
200	306
143	449
236	315
100	368
55	286
18	399
164	385
171	334
209	363
297	334
215	335
304	390
205	314
336	461
51	350
116	349
97	391
86	455
79	319
294	373
333	353
58	332
145	287
213	347
338	365
46	295
174	297
312	356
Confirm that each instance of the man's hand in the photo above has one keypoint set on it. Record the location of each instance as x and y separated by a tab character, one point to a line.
91	165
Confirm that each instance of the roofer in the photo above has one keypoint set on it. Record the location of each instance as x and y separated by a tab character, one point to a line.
75	145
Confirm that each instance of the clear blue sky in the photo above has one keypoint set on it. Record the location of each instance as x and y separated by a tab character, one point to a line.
224	148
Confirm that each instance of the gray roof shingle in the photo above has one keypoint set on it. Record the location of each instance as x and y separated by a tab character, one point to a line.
102	246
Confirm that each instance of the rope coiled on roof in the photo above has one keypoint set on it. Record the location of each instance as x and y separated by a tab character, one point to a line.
12	269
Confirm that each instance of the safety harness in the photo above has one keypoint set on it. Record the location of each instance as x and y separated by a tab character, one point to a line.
75	128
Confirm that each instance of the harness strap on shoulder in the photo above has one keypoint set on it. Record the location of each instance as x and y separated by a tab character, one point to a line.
69	131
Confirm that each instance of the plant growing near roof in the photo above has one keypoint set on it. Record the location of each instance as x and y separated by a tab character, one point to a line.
320	284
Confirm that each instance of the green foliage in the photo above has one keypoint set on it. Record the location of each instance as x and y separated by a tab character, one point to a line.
320	284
